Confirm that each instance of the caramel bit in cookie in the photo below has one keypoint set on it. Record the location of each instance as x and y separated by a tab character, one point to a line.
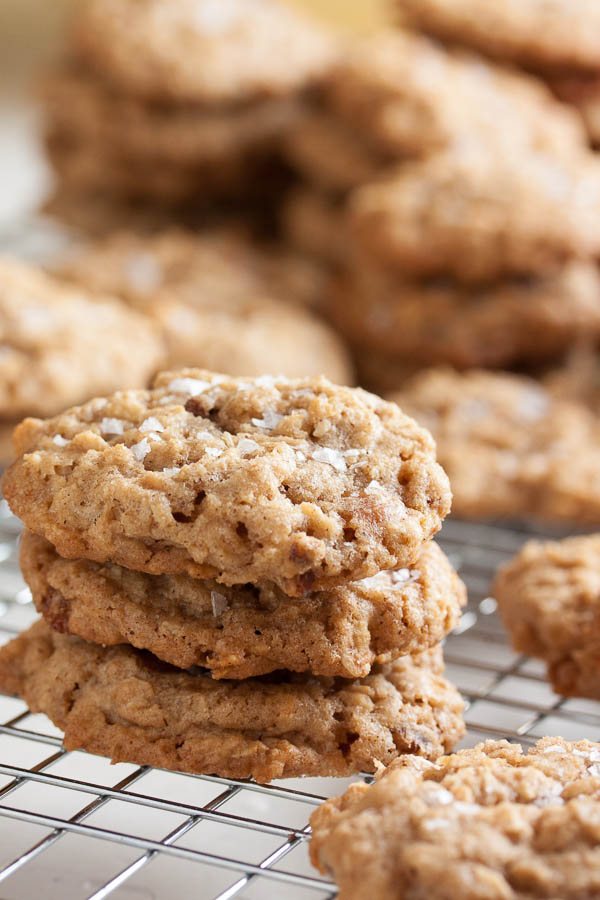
55	608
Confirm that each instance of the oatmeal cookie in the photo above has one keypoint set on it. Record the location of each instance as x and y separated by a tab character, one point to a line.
536	33
479	216
510	449
409	97
61	346
247	630
548	597
296	482
222	302
126	704
507	323
80	106
211	268
201	51
492	822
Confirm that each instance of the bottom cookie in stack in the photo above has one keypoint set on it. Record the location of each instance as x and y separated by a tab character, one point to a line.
129	705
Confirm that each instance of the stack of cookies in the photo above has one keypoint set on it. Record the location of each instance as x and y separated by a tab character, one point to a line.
471	203
179	101
236	577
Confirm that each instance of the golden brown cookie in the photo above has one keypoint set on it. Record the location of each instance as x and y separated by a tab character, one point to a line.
510	449
223	303
508	323
478	216
481	824
201	51
548	597
126	704
404	96
297	482
80	106
537	33
247	630
61	345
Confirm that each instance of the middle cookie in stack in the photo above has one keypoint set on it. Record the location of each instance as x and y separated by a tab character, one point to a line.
225	523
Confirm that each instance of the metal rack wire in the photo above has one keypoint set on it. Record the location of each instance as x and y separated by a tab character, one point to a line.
84	829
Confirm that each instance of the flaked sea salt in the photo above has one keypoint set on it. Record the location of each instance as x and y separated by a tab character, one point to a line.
111	426
400	576
213	451
247	446
141	449
219	603
59	440
191	386
270	420
151	424
331	457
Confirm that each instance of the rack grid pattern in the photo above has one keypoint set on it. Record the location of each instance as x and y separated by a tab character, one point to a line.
83	829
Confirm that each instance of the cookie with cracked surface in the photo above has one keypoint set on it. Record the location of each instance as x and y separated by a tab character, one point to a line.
477	216
491	822
201	51
548	597
247	630
60	345
536	33
297	482
126	704
222	302
406	96
510	449
511	322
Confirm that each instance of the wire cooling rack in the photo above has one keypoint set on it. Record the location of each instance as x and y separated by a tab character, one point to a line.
80	829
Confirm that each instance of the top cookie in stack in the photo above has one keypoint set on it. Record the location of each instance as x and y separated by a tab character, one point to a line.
471	201
178	100
558	40
240	525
